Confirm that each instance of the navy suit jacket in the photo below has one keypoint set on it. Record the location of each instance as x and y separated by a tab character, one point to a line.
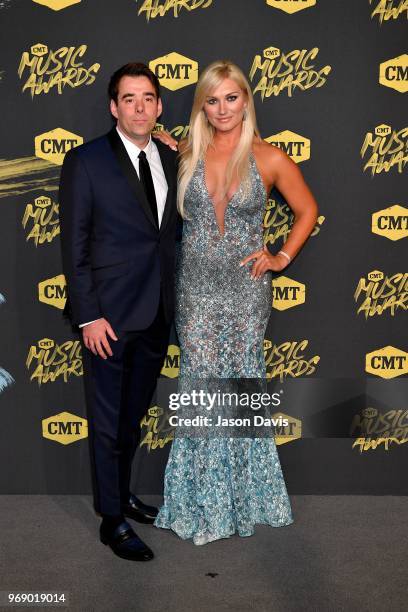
115	259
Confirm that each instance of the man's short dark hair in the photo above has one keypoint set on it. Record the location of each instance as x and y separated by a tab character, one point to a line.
135	69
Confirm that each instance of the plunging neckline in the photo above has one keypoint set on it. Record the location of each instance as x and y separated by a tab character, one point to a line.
222	234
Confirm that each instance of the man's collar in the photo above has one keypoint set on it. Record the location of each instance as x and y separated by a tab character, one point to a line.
132	146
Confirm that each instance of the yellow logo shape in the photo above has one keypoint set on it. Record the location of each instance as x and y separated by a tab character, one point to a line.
39	49
287	293
52	146
46	343
175	71
42	202
155	411
391	222
375	276
382	130
65	428
293	431
291	6
294	145
57	5
53	291
171	362
369	413
271	52
394	73
388	362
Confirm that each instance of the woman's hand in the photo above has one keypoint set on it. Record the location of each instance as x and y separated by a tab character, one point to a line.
166	138
265	261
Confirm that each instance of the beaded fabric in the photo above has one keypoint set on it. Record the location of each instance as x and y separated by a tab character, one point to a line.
216	487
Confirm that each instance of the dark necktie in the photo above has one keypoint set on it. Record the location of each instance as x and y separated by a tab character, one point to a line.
146	179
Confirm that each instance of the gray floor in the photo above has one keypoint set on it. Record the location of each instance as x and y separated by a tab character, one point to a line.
342	553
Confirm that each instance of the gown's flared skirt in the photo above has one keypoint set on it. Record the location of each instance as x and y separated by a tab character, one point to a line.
215	488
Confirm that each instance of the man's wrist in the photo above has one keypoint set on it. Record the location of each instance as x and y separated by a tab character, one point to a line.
88	323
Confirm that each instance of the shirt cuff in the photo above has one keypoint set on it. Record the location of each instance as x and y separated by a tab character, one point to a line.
89	322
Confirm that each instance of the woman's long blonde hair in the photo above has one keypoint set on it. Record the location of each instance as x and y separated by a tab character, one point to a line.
201	132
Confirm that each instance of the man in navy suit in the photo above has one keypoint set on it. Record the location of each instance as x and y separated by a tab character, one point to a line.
118	221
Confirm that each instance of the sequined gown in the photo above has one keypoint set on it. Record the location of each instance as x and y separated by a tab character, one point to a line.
216	487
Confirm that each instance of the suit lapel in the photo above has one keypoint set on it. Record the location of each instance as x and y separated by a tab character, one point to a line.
130	173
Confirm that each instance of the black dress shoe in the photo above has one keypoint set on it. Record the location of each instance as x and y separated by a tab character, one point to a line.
125	543
138	511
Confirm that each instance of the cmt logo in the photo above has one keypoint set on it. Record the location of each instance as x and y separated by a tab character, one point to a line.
287	293
391	222
46	343
289	433
39	50
271	52
394	73
294	145
291	6
52	146
53	291
42	202
57	5
375	276
388	362
65	428
172	362
175	71
382	130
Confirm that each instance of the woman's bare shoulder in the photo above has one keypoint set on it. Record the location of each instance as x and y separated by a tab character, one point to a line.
268	152
272	161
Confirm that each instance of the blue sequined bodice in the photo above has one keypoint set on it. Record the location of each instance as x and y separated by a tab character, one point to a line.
221	312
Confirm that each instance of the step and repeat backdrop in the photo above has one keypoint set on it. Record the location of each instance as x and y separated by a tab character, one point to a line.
330	80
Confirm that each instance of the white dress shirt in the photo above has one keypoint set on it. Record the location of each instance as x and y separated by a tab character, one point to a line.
158	176
156	168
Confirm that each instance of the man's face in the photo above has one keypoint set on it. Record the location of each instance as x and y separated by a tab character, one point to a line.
137	108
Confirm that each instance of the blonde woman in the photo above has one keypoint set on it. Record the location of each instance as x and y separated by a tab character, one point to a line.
218	486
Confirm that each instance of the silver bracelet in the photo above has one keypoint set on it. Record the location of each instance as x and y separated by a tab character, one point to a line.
285	255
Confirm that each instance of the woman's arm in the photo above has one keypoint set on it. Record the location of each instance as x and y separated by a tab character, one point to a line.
288	179
278	170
